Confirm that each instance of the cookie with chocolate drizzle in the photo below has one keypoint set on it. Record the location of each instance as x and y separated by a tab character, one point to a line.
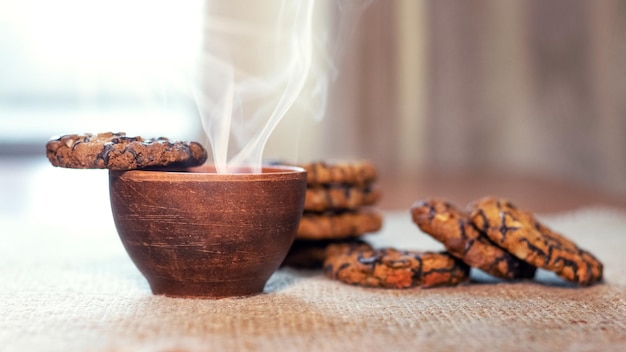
522	235
116	151
450	226
392	268
340	197
358	173
338	225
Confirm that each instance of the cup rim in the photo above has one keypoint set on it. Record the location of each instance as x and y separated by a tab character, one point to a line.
207	172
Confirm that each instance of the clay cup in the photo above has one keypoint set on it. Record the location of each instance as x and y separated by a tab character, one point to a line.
199	233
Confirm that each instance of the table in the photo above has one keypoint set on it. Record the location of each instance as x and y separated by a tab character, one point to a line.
68	285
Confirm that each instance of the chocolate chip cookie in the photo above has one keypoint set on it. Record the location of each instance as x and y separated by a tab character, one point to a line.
357	173
391	268
338	225
340	197
522	235
448	225
116	151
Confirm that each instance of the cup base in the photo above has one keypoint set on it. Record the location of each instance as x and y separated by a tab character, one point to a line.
184	289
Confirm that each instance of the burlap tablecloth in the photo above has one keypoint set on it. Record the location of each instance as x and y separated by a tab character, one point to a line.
65	287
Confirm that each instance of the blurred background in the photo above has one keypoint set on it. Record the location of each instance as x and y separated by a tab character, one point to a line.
491	89
523	99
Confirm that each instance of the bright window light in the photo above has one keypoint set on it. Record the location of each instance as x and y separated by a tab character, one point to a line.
80	66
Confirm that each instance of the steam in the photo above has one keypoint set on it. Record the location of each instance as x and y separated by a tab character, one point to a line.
256	62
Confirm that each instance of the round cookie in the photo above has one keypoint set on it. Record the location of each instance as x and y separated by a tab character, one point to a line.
448	225
116	151
314	226
356	173
340	197
522	235
391	268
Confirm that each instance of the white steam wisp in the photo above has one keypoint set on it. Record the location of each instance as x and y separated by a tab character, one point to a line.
257	59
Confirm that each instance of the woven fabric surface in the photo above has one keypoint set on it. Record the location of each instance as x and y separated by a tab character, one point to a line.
73	288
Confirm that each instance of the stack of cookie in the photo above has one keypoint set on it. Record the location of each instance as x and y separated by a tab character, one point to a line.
339	207
503	241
